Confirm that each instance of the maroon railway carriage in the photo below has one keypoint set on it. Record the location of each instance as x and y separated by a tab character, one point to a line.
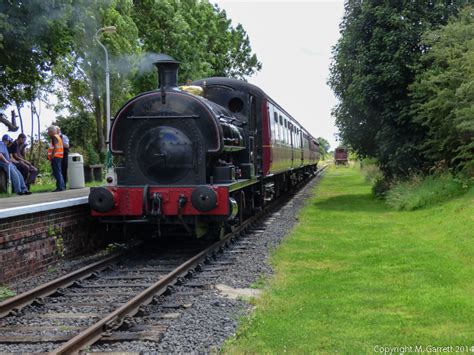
341	156
188	162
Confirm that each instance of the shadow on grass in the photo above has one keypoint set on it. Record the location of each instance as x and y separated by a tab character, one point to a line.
352	203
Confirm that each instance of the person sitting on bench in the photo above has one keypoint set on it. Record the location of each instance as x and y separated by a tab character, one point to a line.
16	179
26	169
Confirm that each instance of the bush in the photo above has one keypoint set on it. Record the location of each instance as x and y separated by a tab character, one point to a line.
374	176
421	191
380	187
370	170
92	155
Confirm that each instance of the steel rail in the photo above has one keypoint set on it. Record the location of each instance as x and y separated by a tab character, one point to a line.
26	298
93	333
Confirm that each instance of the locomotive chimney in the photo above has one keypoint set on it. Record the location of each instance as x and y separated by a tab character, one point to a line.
167	72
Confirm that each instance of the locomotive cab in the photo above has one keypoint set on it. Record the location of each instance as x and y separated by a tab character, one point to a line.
244	105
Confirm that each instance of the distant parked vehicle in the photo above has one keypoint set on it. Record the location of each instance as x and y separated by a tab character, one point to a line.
341	156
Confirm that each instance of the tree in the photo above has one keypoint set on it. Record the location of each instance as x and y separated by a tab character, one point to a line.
324	146
49	44
80	75
373	65
35	34
443	94
197	34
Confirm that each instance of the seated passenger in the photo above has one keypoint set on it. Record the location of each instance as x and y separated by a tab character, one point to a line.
16	179
8	141
26	169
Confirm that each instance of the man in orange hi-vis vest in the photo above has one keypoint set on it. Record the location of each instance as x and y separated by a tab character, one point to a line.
55	156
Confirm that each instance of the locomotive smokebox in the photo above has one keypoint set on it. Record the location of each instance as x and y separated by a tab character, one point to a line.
167	72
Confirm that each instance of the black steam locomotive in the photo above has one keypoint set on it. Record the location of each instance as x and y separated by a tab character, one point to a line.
198	162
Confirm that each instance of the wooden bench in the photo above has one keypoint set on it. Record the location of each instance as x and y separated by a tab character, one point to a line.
93	172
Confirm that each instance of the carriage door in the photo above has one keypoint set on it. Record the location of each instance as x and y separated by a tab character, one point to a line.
292	143
301	145
254	137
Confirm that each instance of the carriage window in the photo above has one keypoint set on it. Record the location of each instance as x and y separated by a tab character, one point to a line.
275	117
281	120
280	131
284	131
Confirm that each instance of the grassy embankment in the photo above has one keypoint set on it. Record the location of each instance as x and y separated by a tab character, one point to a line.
355	274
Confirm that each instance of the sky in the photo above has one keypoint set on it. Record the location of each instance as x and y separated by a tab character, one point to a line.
293	40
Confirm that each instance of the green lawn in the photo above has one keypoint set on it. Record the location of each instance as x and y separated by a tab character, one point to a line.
355	274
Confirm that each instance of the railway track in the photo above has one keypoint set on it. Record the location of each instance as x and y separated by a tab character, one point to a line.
62	316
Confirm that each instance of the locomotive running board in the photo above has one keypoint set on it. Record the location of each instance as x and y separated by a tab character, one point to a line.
240	184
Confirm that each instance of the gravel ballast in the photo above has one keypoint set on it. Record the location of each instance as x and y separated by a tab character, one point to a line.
209	318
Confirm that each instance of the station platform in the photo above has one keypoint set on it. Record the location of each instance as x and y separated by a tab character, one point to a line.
41	201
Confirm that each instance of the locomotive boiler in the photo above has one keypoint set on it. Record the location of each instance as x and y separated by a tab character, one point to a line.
200	163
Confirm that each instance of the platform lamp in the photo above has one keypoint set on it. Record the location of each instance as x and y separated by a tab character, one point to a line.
100	31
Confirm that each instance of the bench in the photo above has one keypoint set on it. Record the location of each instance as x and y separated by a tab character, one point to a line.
93	172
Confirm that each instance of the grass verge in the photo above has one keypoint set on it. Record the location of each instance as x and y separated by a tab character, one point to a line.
421	191
355	275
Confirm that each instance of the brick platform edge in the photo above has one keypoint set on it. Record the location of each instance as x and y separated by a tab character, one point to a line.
31	243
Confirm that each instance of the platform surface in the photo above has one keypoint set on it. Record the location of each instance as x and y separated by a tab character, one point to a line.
39	202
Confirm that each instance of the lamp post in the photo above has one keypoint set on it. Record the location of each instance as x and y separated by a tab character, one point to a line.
100	31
